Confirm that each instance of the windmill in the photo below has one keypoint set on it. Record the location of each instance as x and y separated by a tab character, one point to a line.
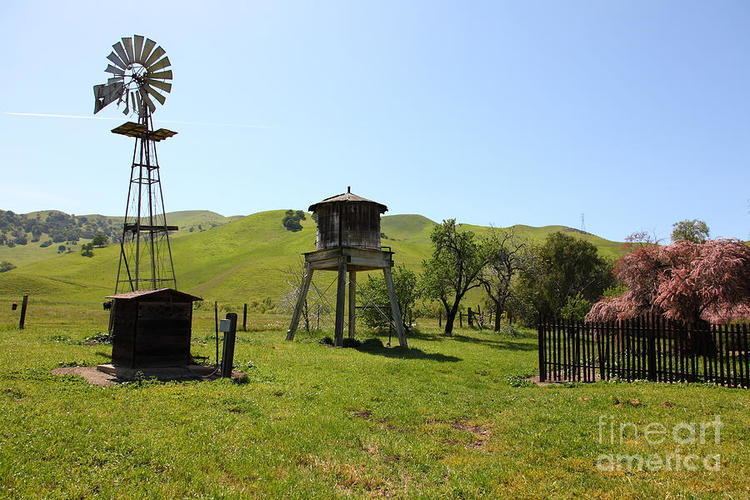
140	76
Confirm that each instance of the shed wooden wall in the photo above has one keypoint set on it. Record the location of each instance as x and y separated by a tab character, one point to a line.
151	333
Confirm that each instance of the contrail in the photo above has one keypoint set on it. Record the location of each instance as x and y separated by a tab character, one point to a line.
88	117
51	115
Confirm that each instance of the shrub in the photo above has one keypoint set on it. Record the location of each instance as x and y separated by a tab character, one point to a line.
87	250
291	220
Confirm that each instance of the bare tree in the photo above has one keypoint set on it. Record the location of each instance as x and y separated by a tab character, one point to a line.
294	276
506	257
643	238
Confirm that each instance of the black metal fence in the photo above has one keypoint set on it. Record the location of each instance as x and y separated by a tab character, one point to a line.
645	348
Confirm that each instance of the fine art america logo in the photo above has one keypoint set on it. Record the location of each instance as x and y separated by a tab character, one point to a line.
685	436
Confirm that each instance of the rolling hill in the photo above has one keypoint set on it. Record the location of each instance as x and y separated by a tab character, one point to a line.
237	260
84	226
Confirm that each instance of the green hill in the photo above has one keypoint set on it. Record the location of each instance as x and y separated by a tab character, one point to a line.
190	221
43	238
238	260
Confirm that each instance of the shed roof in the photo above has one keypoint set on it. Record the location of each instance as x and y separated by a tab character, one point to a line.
159	291
347	198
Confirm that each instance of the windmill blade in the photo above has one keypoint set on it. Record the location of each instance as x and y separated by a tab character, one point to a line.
147	48
106	94
128	43
116	79
166	87
155	55
116	61
155	94
147	100
113	70
163	63
161	75
138	47
121	53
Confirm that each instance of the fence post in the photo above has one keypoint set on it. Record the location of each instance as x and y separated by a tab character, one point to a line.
542	360
471	320
746	350
244	317
461	320
598	330
440	318
24	305
216	329
651	348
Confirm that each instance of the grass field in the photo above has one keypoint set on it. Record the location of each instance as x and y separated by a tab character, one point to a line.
450	417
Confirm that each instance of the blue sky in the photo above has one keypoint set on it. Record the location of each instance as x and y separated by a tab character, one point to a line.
634	113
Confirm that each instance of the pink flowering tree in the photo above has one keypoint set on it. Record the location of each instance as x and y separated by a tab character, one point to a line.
686	281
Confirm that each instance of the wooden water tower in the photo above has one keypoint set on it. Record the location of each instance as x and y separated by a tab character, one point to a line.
348	241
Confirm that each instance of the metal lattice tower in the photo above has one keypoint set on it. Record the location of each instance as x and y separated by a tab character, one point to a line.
139	67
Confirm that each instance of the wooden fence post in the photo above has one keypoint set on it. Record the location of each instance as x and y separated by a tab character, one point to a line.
24	305
461	320
650	326
440	318
542	345
216	329
244	317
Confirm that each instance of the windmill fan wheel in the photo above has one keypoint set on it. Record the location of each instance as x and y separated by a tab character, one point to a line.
140	75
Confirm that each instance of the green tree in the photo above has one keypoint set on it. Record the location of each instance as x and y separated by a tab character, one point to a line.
374	294
457	259
506	257
564	275
694	231
87	250
291	220
100	240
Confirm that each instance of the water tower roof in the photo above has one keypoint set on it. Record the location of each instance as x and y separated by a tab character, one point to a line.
345	198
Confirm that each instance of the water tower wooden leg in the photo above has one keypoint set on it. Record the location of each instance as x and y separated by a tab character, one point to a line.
300	302
395	311
352	303
340	300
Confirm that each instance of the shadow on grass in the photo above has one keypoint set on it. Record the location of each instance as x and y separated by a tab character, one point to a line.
430	337
498	344
375	346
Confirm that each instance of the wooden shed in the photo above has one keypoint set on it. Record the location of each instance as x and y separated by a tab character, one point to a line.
151	328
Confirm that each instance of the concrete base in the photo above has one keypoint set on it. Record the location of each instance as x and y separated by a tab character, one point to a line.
108	374
159	373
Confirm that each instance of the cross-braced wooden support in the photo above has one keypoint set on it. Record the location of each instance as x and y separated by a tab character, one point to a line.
348	261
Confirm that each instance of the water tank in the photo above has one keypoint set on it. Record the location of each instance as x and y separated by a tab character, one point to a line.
348	220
